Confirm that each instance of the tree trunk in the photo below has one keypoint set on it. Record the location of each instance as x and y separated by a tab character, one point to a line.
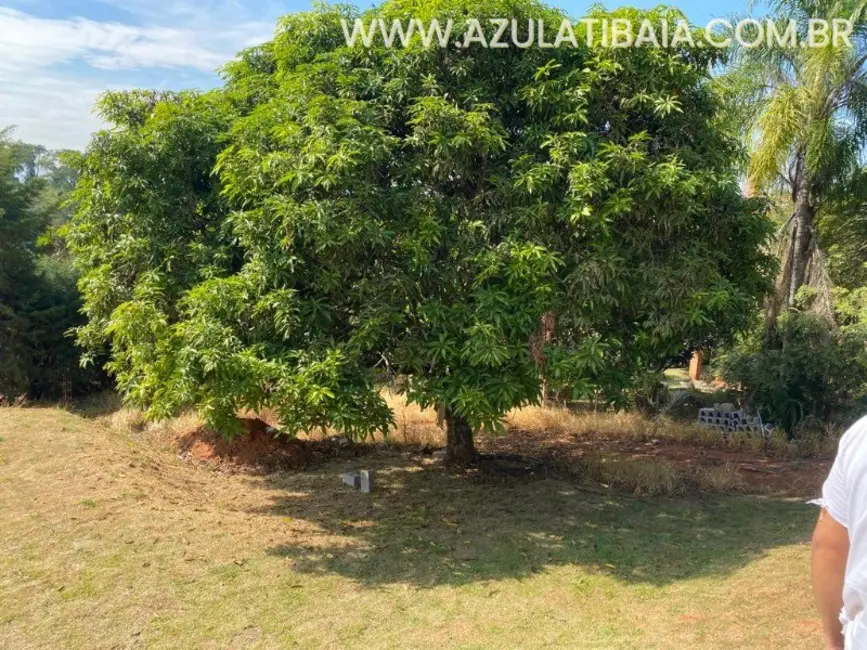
459	440
538	340
802	235
778	300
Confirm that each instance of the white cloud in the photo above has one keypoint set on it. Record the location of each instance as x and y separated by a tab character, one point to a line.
52	70
26	40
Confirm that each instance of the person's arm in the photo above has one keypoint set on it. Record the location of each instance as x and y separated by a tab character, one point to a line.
830	552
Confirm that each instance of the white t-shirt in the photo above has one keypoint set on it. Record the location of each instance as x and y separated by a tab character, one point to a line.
844	496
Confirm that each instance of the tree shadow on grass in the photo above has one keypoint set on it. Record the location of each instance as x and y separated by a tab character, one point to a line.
95	405
427	527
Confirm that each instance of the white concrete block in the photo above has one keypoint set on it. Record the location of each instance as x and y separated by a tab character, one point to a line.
366	483
352	479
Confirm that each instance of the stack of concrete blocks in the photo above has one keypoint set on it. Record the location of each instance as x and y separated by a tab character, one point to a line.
362	480
725	418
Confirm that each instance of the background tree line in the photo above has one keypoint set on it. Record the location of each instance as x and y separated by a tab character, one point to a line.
39	300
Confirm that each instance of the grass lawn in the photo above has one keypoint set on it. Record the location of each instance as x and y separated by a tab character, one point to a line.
107	541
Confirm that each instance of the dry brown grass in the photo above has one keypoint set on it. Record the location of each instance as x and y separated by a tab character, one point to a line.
174	428
814	438
633	475
414	426
638	476
648	477
418	427
128	420
621	425
721	479
107	541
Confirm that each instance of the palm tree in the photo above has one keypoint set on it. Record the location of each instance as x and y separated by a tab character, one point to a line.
803	112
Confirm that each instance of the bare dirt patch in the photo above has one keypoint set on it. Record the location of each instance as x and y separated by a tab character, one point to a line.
260	448
756	472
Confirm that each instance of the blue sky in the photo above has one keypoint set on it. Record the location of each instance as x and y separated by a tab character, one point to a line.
56	56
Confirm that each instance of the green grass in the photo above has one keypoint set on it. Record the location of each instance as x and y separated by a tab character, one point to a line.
171	555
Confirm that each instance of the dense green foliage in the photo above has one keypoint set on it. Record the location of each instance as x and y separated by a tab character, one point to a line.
805	369
418	210
843	232
150	227
39	301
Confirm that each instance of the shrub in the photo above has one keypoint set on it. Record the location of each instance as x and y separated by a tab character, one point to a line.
805	368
